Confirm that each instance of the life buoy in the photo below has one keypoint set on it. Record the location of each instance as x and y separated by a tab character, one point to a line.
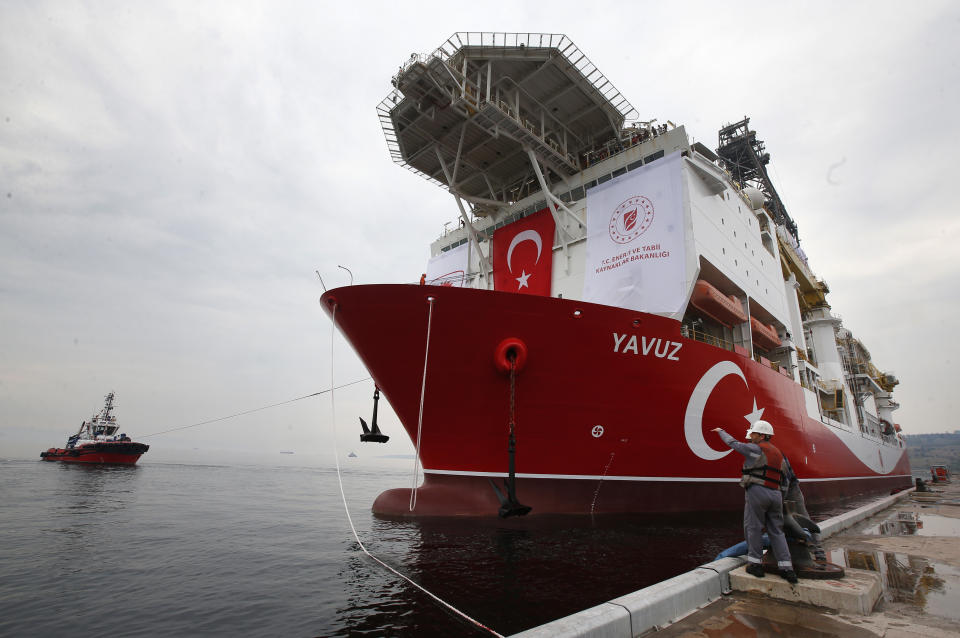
511	347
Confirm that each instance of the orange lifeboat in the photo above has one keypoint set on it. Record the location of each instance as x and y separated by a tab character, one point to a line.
716	305
763	335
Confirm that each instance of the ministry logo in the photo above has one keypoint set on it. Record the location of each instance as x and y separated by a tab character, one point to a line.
631	219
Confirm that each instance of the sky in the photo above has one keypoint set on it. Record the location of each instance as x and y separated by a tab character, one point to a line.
172	174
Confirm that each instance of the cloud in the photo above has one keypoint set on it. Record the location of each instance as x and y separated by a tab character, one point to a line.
171	176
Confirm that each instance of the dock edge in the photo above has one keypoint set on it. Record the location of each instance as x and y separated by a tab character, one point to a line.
668	601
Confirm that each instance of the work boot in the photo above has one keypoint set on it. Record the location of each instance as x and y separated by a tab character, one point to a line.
789	575
755	569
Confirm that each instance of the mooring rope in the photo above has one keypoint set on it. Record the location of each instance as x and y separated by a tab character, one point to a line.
343	496
423	391
266	407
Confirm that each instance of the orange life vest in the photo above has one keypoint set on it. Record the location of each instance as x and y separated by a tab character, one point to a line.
766	470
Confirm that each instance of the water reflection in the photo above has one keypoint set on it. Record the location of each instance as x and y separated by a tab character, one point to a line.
84	495
518	573
904	523
912	580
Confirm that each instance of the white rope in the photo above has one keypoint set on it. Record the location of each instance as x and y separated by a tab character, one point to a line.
343	496
423	390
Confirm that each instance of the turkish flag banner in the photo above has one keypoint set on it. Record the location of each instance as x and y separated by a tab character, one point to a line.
523	255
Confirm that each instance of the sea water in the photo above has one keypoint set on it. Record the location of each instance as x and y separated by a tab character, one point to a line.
259	550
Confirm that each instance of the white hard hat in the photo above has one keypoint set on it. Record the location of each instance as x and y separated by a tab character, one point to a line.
760	427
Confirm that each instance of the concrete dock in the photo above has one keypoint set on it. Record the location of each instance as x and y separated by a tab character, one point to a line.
901	555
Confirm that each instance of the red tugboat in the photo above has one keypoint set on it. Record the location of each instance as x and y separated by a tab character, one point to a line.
97	441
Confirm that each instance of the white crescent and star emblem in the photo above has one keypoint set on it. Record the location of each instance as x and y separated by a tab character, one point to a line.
693	419
522	236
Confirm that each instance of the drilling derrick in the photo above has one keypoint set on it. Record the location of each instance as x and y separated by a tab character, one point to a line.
745	158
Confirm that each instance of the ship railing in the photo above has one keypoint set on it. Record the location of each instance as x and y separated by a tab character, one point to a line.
453	281
703	337
415	58
448	53
393	142
627	140
837	414
577	59
527	131
879	436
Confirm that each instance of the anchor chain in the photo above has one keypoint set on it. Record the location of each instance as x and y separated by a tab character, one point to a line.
513	393
509	506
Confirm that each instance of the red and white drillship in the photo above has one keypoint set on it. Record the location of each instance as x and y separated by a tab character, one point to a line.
98	441
613	292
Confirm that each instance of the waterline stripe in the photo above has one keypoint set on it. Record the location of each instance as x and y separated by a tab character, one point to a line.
651	479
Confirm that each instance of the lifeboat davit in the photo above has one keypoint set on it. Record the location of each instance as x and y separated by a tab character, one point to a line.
763	335
716	305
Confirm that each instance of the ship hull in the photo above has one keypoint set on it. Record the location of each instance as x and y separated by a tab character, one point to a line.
113	453
613	408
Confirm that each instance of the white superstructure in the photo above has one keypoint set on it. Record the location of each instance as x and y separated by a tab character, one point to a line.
512	124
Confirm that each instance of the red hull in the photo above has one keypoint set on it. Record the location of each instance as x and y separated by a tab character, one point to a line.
107	453
613	407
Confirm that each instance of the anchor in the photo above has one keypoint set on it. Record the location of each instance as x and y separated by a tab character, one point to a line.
373	433
509	506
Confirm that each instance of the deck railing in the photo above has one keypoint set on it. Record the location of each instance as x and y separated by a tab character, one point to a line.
703	337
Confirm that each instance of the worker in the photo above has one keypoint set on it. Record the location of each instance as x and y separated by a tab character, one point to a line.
762	478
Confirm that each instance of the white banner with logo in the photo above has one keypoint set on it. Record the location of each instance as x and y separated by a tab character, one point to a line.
636	235
449	268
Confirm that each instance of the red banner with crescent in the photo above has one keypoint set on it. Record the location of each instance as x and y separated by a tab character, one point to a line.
523	255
